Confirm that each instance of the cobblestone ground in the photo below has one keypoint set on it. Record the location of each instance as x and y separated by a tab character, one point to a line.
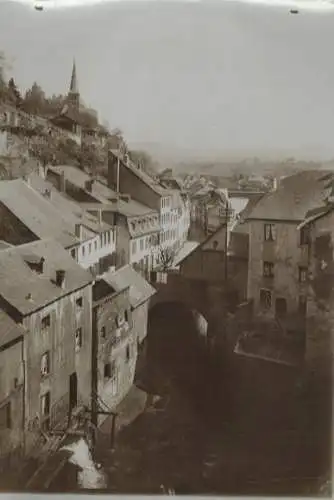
241	430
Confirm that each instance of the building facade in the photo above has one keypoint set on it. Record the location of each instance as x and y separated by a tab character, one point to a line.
12	389
319	227
120	315
51	296
278	252
114	350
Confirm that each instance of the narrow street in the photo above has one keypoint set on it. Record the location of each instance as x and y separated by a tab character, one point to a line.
238	430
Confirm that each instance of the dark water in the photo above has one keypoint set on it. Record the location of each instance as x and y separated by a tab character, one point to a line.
237	428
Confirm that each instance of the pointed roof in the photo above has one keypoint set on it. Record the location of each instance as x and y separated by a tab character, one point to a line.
74	81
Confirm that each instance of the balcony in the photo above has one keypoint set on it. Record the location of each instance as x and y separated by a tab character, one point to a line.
120	335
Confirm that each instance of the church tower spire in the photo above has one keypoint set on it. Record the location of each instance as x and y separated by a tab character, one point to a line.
73	94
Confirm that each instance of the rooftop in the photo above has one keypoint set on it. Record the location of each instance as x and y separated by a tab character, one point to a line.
27	290
4	245
147	179
101	192
140	289
70	210
187	248
9	330
35	212
295	195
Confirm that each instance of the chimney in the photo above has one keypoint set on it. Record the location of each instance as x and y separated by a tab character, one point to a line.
43	171
41	265
62	182
78	231
27	179
60	278
275	184
99	215
89	185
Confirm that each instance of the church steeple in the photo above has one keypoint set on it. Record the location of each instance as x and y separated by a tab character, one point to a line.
73	94
74	82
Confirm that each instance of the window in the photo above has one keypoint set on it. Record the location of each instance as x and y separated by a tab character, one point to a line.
120	319
126	316
103	332
90	248
46	322
109	370
141	244
268	269
78	339
5	417
73	255
265	299
79	303
45	404
304	235
83	251
45	364
95	245
101	240
134	247
302	274
127	353
269	232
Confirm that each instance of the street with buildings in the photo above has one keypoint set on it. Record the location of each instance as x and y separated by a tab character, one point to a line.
173	332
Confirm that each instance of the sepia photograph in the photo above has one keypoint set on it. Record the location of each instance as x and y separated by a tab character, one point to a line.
166	247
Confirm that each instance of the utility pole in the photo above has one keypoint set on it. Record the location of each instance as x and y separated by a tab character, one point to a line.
118	166
226	238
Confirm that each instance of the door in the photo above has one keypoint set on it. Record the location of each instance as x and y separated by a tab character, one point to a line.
73	390
280	307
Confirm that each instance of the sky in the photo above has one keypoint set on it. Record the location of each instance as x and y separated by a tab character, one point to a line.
192	79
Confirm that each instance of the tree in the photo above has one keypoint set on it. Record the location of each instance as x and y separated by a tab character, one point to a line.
34	100
91	158
3	86
145	162
53	104
14	93
166	257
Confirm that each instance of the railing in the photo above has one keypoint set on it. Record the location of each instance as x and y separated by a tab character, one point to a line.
120	334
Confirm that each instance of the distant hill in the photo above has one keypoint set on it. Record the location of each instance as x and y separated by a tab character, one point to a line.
224	168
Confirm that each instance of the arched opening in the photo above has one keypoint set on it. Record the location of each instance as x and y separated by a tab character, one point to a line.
177	353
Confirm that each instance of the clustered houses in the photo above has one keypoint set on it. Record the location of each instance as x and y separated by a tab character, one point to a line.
171	204
46	297
28	215
69	339
137	225
74	254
